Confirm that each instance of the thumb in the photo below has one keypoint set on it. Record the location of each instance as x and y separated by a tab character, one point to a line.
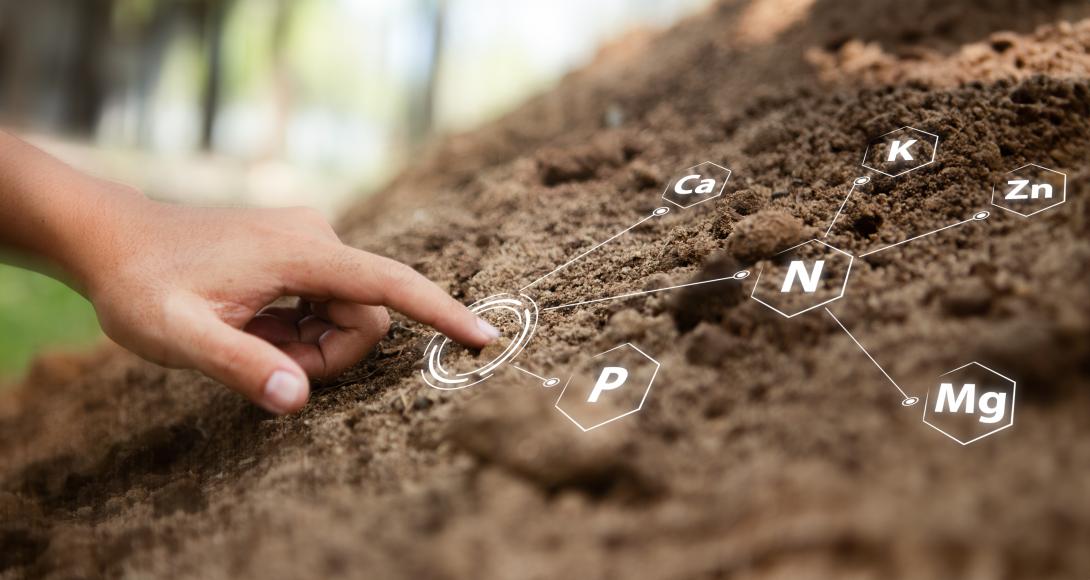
251	366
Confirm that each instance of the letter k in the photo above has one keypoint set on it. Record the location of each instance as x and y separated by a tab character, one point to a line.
899	150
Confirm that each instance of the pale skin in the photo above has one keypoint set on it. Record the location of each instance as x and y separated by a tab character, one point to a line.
189	287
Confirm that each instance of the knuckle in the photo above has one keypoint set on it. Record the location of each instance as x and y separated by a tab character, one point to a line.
214	357
398	275
308	215
383	323
228	359
334	259
398	281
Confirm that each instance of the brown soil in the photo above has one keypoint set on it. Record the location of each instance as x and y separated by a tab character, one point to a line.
770	448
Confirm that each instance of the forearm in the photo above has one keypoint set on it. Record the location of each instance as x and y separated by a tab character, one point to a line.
192	287
52	212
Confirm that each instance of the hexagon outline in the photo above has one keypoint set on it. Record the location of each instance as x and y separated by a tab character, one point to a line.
1063	193
1010	421
643	399
934	150
843	286
719	193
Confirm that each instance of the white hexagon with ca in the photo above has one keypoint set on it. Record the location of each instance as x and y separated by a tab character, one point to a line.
1030	189
608	386
802	278
900	151
970	403
697	184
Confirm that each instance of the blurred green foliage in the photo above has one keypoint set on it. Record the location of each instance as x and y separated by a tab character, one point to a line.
267	102
38	311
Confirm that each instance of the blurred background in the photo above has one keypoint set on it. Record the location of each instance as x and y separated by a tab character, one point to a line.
266	102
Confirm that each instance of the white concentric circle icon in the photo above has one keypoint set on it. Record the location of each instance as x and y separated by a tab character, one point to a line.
521	307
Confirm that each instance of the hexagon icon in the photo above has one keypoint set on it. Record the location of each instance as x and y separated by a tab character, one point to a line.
802	278
608	386
697	184
970	403
900	151
1029	190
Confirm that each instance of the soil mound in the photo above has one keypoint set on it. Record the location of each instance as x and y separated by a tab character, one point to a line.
770	447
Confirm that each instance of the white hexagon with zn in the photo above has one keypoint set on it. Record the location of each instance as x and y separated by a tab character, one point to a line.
802	278
970	403
697	184
900	151
1030	189
608	386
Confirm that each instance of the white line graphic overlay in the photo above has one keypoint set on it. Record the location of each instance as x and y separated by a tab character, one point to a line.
906	400
978	216
545	382
857	182
658	212
740	275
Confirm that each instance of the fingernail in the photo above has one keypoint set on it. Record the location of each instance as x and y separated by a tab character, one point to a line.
282	391
487	329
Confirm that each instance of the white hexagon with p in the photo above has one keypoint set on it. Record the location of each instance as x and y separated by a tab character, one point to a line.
970	403
697	184
608	386
802	278
900	151
1030	189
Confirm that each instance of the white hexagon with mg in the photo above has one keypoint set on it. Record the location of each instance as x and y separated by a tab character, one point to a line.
1029	190
697	184
608	386
900	151
802	278
970	403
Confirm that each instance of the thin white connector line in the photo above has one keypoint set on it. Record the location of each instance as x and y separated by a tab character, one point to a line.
631	294
840	209
845	329
596	246
961	223
529	373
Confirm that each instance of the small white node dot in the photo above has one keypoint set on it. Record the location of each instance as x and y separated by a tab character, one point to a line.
862	180
910	401
661	211
741	275
981	215
551	382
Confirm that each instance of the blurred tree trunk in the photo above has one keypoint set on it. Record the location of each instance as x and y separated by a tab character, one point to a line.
281	77
153	42
86	88
422	99
11	64
214	17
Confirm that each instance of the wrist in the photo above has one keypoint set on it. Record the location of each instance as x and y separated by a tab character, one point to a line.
59	217
97	231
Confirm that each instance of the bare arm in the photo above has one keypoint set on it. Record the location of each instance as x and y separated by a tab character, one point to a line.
190	287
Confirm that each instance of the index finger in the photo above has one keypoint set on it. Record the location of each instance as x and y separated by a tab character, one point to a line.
366	278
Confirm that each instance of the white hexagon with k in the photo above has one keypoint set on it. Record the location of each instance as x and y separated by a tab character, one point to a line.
900	151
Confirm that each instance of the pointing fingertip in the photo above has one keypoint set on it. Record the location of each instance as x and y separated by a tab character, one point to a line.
488	331
283	393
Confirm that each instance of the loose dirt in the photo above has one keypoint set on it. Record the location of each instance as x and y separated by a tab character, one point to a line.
769	448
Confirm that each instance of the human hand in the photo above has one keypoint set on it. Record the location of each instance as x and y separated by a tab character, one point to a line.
191	287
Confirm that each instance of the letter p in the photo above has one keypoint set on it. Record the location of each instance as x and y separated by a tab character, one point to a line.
609	379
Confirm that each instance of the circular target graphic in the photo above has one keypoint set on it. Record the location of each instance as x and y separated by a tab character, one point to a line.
525	312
